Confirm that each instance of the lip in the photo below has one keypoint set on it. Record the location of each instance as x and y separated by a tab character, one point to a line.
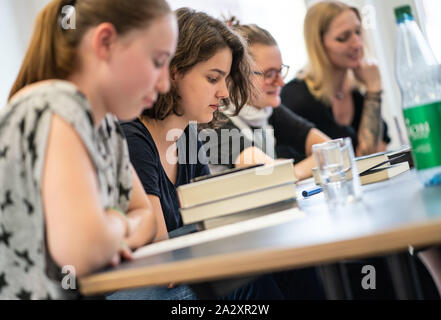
355	56
214	107
273	93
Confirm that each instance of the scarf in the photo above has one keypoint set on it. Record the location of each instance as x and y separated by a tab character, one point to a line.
256	118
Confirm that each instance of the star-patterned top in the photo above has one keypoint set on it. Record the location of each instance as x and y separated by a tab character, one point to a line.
26	269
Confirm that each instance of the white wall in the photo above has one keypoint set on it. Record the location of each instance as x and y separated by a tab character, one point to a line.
17	18
11	49
429	10
16	23
284	19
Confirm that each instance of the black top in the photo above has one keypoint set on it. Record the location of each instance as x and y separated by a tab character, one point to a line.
145	159
290	133
297	97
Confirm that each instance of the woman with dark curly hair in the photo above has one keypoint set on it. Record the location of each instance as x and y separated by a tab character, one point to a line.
210	67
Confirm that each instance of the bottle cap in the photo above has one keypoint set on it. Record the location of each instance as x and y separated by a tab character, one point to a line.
403	13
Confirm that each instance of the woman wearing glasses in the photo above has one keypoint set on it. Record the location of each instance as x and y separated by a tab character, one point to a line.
327	92
264	121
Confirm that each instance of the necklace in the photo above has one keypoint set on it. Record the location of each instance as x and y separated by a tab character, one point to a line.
340	95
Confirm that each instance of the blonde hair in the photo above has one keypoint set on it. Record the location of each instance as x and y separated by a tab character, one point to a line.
318	72
52	51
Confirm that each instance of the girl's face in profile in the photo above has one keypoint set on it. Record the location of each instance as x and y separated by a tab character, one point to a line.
138	67
343	41
268	73
202	89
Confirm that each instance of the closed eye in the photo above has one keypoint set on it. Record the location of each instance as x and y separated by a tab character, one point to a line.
160	59
343	38
347	35
212	79
158	64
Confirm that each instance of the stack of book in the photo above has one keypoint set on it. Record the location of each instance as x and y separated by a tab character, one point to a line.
234	195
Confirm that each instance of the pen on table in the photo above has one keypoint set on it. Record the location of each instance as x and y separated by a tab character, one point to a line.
308	193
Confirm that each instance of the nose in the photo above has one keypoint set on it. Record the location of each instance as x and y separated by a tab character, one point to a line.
222	92
357	41
163	82
279	81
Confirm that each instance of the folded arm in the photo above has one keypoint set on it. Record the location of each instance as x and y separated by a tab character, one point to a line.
79	231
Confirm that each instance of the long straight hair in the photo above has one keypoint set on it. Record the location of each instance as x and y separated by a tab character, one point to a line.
318	71
52	53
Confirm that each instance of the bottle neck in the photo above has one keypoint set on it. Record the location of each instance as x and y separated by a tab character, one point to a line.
404	17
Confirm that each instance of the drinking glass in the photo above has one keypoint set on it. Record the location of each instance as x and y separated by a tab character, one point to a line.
337	171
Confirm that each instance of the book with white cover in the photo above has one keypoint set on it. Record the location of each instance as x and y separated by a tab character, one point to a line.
238	203
238	182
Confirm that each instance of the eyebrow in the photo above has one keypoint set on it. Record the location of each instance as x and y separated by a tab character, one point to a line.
219	71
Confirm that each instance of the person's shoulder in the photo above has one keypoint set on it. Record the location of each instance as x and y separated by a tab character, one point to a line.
295	95
138	137
288	116
34	106
60	96
296	84
296	90
133	127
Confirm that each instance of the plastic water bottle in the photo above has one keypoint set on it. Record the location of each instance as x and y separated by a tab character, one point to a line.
418	74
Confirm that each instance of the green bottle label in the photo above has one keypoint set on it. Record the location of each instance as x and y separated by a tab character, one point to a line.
424	130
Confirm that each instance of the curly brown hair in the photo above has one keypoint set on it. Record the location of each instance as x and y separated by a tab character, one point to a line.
200	38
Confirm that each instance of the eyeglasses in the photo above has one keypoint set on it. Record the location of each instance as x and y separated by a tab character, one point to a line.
269	76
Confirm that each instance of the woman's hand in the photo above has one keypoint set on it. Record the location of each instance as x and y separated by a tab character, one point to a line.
124	252
369	74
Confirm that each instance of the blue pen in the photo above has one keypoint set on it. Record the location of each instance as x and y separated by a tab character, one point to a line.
308	193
